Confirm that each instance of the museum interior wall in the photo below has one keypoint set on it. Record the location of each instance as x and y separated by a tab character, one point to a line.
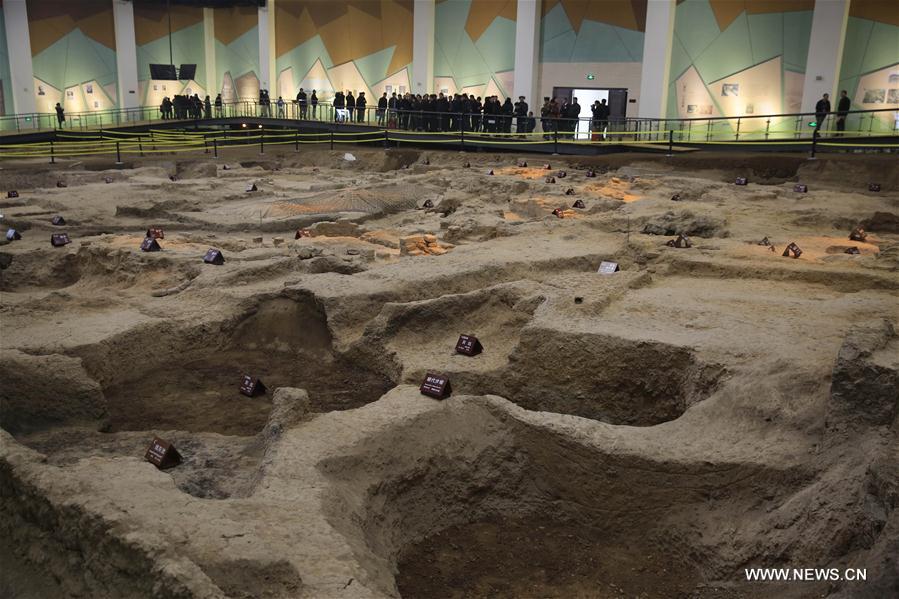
601	38
742	58
474	47
73	54
869	71
151	31
343	45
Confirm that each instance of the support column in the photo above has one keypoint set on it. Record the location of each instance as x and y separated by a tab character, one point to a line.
525	81
18	40
825	52
212	86
125	54
423	47
653	100
267	70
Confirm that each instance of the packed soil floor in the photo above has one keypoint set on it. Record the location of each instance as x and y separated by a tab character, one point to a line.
664	400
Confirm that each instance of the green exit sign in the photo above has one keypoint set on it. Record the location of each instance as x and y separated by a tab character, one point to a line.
591	77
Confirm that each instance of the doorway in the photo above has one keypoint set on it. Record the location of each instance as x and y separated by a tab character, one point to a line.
616	98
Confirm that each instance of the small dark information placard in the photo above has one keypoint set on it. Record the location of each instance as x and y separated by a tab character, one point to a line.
59	239
251	386
792	251
468	345
607	268
12	194
150	245
436	385
162	454
742	181
58	221
579	204
214	256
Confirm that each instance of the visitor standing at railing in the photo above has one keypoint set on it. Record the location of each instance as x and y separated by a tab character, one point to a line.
313	99
382	108
60	115
842	112
280	107
822	108
207	105
218	106
521	113
507	111
301	100
339	104
391	111
600	112
350	105
360	107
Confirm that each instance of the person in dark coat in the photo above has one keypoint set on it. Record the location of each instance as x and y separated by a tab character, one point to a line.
360	107
218	105
303	102
521	113
507	109
842	112
207	105
60	115
313	100
822	108
350	105
382	109
339	103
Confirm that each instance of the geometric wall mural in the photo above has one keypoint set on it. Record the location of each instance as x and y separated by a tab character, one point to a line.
73	53
361	46
474	47
749	56
236	53
593	30
151	28
869	71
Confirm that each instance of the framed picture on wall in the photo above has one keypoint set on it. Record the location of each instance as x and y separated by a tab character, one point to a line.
89	89
96	104
388	89
893	96
402	89
691	108
707	109
730	89
40	90
155	88
750	109
874	96
70	93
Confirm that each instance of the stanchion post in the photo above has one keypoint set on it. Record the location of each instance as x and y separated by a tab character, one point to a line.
556	138
296	140
386	140
205	144
52	156
814	145
462	136
670	142
332	138
118	154
140	145
262	141
215	147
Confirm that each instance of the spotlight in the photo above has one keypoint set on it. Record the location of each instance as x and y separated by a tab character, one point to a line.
12	194
741	181
436	386
550	179
251	386
569	191
162	454
800	188
13	235
490	172
244	125
578	204
214	256
559	212
561	174
252	187
468	345
792	251
547	167
107	180
590	173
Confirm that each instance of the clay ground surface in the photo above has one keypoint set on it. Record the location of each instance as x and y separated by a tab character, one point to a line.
646	433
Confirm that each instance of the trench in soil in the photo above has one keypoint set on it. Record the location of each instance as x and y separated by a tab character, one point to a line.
488	505
284	344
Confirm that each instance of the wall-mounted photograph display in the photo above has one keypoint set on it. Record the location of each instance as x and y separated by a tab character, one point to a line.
750	109
893	96
88	89
691	108
730	89
705	109
874	96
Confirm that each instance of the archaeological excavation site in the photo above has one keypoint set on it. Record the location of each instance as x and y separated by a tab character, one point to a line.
420	374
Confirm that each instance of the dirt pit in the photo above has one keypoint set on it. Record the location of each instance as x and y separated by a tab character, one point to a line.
649	429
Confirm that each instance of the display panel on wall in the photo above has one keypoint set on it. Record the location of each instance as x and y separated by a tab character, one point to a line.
237	53
736	58
474	47
73	54
5	90
343	45
869	71
151	27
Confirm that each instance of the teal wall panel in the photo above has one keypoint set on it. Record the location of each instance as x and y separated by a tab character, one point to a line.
593	42
870	53
882	48
730	49
239	57
766	36
75	59
373	67
695	26
188	46
797	33
497	45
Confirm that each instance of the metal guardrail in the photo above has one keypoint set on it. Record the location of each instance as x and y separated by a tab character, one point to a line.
797	126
